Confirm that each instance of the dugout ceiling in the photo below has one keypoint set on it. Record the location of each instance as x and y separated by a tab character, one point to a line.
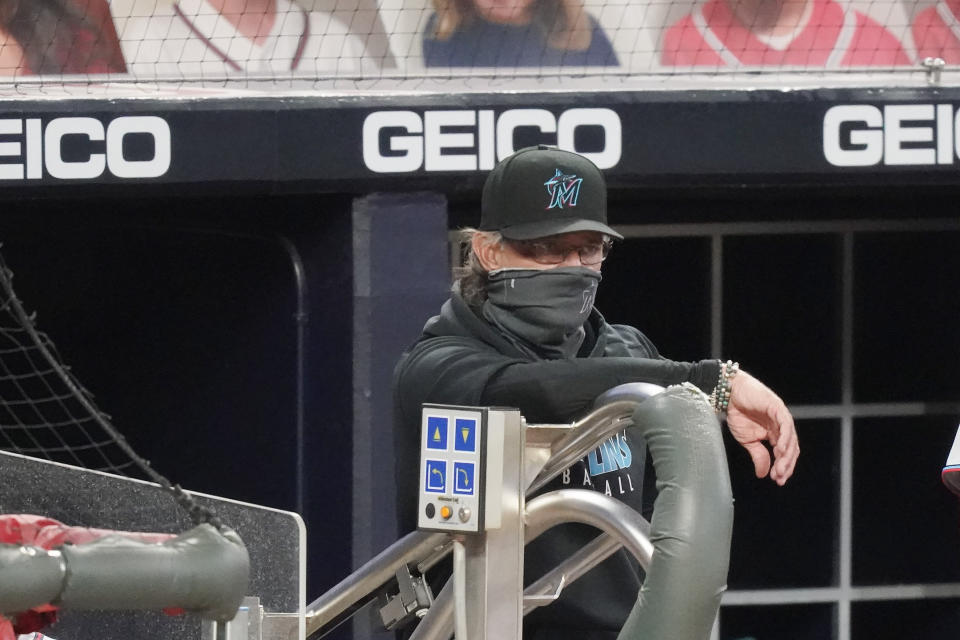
644	140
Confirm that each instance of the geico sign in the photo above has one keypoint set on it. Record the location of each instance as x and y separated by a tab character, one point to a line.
897	134
480	139
41	148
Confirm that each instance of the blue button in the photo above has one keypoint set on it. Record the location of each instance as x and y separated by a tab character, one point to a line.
465	435
437	432
463	478
436	476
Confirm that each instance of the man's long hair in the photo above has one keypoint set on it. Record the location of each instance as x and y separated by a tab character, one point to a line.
64	36
471	278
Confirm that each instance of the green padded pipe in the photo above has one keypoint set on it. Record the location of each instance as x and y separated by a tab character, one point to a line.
29	576
200	570
692	519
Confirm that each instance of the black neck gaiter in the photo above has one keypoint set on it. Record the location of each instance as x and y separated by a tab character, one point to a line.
542	311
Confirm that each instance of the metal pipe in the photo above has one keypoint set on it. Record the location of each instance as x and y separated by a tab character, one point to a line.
361	585
625	528
569	571
438	623
301	316
589	507
584	436
615	406
459	580
434	558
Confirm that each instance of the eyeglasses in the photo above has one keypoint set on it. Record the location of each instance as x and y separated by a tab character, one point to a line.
556	250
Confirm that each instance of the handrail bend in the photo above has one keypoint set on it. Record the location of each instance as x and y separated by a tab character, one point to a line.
624	527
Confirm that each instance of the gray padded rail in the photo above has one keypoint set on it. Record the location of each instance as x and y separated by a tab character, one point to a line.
692	519
274	539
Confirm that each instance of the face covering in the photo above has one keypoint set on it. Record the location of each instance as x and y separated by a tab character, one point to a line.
542	311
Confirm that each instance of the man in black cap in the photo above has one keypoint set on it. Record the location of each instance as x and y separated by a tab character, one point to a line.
520	330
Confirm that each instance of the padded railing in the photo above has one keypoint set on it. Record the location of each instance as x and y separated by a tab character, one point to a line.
692	519
201	570
117	583
685	551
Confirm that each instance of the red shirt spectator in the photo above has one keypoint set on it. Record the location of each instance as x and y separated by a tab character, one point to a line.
827	35
936	32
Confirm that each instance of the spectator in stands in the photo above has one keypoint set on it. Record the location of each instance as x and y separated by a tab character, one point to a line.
514	33
214	38
57	36
796	33
936	31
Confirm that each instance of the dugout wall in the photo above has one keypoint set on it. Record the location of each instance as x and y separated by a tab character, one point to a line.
809	233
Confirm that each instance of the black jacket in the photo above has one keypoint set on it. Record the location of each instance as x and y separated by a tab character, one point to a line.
461	359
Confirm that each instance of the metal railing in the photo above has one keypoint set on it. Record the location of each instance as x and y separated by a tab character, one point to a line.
678	416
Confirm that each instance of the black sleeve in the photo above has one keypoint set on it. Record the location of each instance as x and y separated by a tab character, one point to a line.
440	370
562	390
466	372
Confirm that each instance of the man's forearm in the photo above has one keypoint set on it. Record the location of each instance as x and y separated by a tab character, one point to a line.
561	390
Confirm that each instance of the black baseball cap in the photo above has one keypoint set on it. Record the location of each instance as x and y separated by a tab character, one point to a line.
542	191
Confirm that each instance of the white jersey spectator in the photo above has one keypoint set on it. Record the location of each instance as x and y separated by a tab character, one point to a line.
194	39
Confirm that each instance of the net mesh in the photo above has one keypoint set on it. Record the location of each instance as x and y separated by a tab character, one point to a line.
371	43
46	413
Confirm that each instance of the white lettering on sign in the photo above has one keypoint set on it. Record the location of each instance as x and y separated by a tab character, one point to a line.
467	140
38	148
896	134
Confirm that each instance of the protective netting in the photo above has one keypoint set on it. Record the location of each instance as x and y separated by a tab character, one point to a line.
46	413
373	40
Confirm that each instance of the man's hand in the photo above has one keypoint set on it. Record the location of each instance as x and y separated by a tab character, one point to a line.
756	415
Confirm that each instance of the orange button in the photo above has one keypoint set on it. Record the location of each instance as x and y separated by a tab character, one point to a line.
446	512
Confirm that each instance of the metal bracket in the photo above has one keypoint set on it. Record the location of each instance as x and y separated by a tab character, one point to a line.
411	601
547	598
280	626
244	626
934	67
253	623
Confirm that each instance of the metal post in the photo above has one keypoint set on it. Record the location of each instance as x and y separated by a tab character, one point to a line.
493	561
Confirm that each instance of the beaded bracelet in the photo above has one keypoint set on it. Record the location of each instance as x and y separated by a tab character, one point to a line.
720	396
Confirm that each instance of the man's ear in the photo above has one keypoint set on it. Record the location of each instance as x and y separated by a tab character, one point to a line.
488	253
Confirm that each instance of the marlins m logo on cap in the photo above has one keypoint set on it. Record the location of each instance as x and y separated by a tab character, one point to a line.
512	201
563	189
